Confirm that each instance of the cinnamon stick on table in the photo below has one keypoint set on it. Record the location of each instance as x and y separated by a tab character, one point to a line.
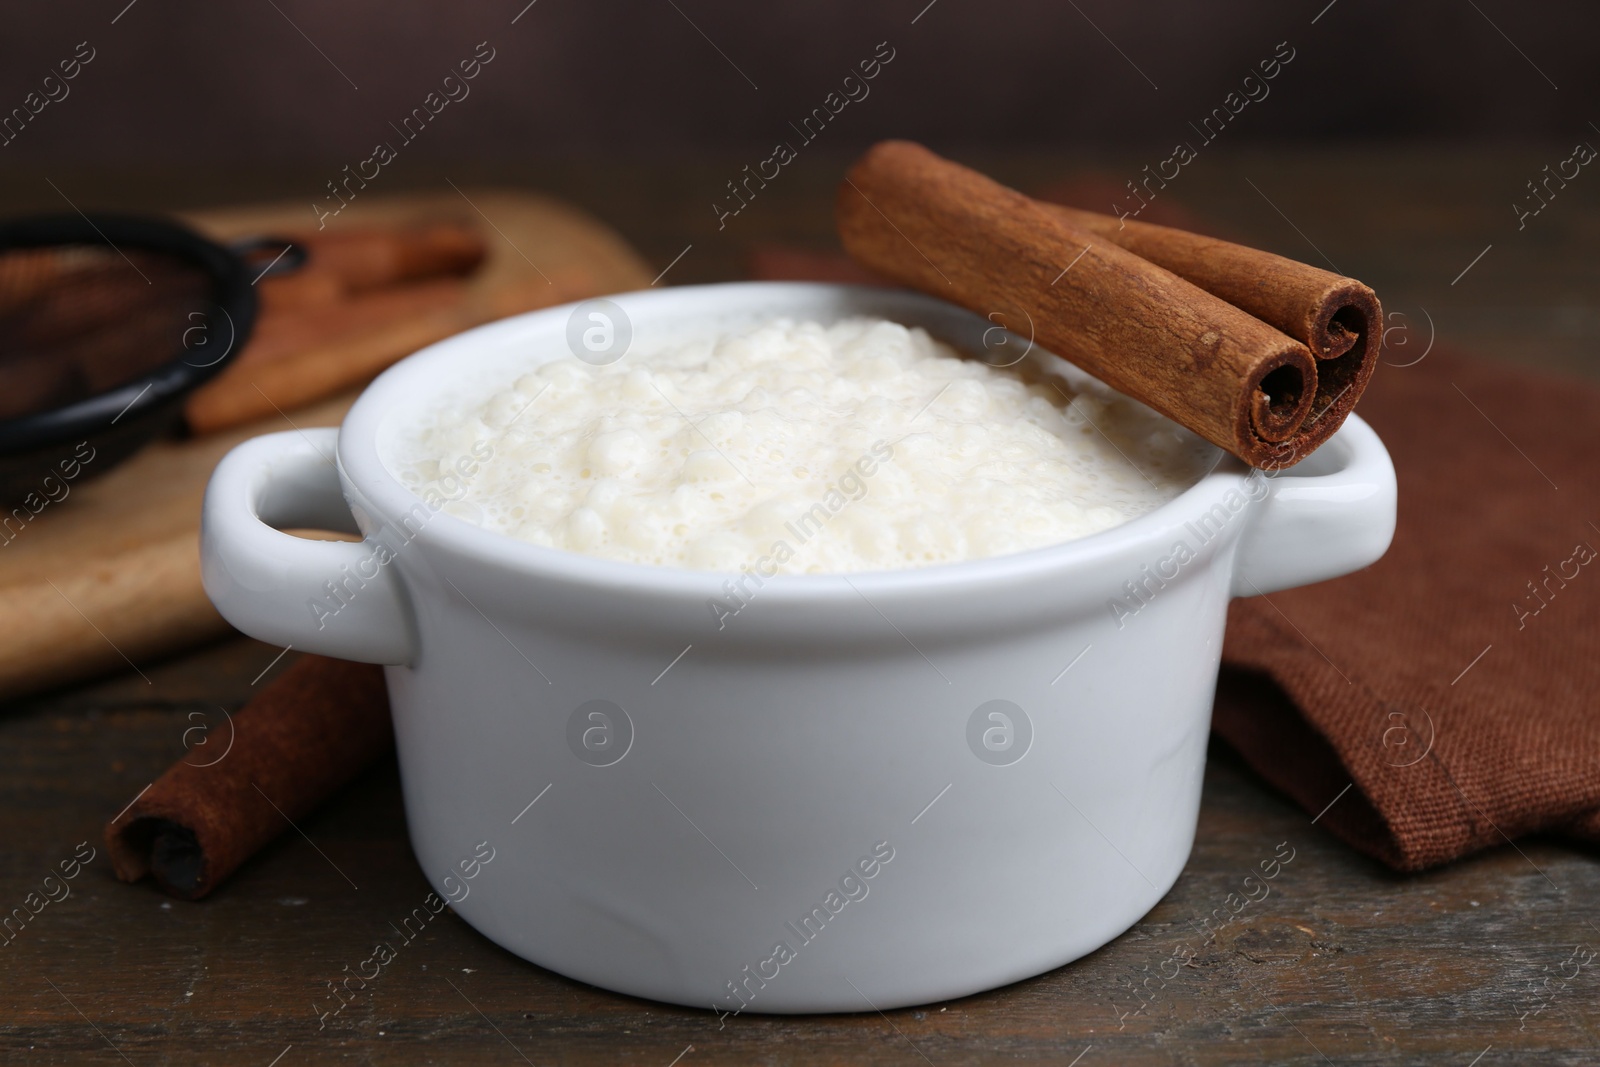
1338	318
1223	373
315	727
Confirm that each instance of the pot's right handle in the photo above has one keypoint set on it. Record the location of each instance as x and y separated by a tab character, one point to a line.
1332	514
337	598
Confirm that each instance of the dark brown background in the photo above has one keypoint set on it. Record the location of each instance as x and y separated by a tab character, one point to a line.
190	83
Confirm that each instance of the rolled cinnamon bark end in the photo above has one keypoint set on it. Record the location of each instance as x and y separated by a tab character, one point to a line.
257	773
1341	319
1338	318
1346	332
933	225
1282	392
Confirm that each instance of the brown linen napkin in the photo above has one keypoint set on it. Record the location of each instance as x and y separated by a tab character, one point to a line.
1451	686
1453	682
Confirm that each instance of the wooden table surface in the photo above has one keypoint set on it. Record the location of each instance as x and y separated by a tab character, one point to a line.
1345	962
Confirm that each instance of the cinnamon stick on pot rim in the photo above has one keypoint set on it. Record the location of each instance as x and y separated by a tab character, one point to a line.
314	728
1338	318
1226	375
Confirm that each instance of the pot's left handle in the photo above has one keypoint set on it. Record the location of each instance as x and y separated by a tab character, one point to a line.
336	598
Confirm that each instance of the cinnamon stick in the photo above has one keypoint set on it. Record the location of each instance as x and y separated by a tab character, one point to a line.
298	358
377	259
313	729
1338	318
1223	373
346	262
307	287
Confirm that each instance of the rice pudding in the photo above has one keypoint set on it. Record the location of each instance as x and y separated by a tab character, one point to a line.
799	448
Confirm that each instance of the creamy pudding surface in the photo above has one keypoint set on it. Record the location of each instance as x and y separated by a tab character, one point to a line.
796	448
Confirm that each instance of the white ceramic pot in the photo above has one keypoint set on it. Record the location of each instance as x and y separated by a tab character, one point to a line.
884	790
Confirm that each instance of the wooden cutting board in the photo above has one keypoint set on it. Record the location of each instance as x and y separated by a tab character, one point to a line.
108	578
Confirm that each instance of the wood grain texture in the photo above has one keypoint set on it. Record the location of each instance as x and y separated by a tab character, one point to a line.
949	231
